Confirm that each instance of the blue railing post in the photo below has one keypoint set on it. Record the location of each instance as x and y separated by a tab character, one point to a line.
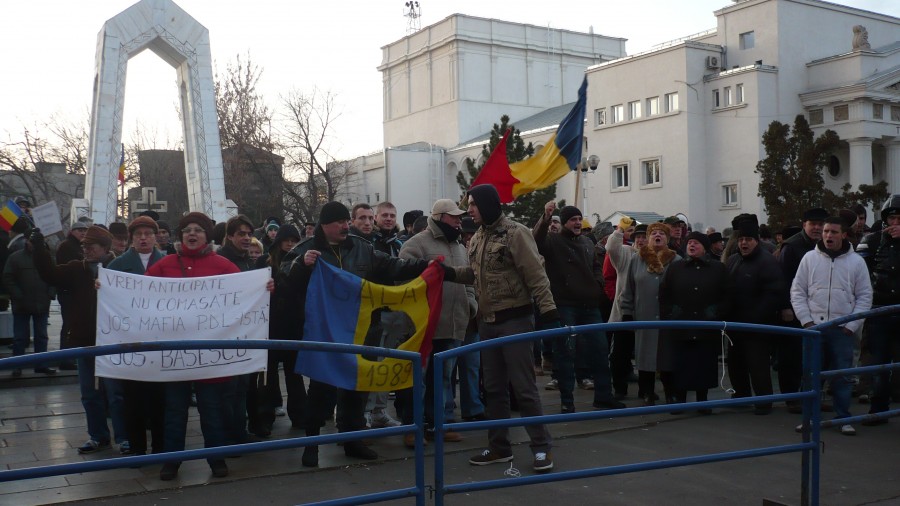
438	389
815	422
419	418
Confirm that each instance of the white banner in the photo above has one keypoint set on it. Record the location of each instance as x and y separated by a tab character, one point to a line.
46	218
133	309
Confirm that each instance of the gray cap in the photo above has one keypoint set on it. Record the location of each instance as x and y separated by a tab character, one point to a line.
79	225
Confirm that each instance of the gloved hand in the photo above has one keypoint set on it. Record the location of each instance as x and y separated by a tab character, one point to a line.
625	223
449	273
550	320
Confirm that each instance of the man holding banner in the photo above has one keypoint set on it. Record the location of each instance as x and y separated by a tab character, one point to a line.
332	244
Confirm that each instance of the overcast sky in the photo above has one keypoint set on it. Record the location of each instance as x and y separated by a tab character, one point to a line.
48	49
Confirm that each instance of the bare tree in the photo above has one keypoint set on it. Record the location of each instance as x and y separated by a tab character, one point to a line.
312	175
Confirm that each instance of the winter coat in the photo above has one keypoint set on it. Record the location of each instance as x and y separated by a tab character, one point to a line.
640	300
458	303
695	289
507	271
758	287
886	270
618	257
830	285
791	253
28	293
192	264
572	266
239	258
69	250
130	261
78	278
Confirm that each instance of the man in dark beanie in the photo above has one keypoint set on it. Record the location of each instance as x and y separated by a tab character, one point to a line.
119	233
702	238
789	349
503	253
78	276
333	243
164	238
569	256
716	245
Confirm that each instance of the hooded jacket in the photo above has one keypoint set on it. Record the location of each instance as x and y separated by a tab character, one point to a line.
831	285
504	264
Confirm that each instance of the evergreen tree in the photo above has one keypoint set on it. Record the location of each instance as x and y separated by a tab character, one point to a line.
526	208
791	175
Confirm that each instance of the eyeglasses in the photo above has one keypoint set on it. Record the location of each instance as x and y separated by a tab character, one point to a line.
193	230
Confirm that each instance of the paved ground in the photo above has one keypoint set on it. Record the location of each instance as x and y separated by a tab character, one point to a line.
41	423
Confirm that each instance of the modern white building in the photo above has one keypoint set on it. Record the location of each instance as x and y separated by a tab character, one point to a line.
447	84
678	128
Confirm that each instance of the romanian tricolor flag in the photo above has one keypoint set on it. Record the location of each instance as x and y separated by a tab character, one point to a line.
339	307
560	155
122	166
10	214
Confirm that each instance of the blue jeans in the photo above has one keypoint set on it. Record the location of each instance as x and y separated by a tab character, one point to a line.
437	346
20	333
213	413
468	366
884	345
95	405
595	352
838	349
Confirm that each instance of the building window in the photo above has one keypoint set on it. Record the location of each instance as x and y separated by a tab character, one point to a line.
671	102
895	113
816	117
747	40
600	116
730	195
739	94
715	99
726	96
377	197
841	113
652	106
620	176
618	113
834	166
634	109
650	172
877	111
368	199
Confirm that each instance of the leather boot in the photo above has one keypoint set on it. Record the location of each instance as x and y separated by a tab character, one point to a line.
311	453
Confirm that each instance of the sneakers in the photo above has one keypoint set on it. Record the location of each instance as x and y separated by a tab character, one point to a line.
543	462
552	385
864	398
613	404
567	408
848	430
49	371
125	448
91	446
377	420
279	411
488	457
586	384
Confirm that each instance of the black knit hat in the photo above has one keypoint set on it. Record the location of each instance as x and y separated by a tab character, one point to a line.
284	232
332	212
568	212
200	219
715	237
701	238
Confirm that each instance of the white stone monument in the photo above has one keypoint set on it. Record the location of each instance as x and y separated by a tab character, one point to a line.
177	38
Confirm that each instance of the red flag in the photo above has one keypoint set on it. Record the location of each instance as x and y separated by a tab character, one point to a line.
496	172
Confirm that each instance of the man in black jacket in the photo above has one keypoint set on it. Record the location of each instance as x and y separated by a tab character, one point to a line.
333	243
759	292
573	270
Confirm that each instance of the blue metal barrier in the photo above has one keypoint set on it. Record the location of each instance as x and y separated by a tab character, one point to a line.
811	398
417	491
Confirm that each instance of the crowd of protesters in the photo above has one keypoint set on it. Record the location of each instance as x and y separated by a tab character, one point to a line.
500	278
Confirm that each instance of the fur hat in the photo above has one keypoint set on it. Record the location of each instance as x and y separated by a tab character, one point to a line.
142	221
714	238
815	214
748	227
200	219
98	235
659	226
332	212
701	238
118	230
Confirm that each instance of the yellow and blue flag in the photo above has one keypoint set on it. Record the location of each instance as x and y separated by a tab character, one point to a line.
339	308
10	214
561	154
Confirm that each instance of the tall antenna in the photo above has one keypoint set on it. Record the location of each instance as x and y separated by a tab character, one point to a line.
414	13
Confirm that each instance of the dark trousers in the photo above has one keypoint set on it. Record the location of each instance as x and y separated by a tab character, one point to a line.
748	364
593	352
789	352
214	414
145	404
351	407
884	344
620	359
293	382
511	365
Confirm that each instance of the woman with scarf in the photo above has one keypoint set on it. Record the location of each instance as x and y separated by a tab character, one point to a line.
639	302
